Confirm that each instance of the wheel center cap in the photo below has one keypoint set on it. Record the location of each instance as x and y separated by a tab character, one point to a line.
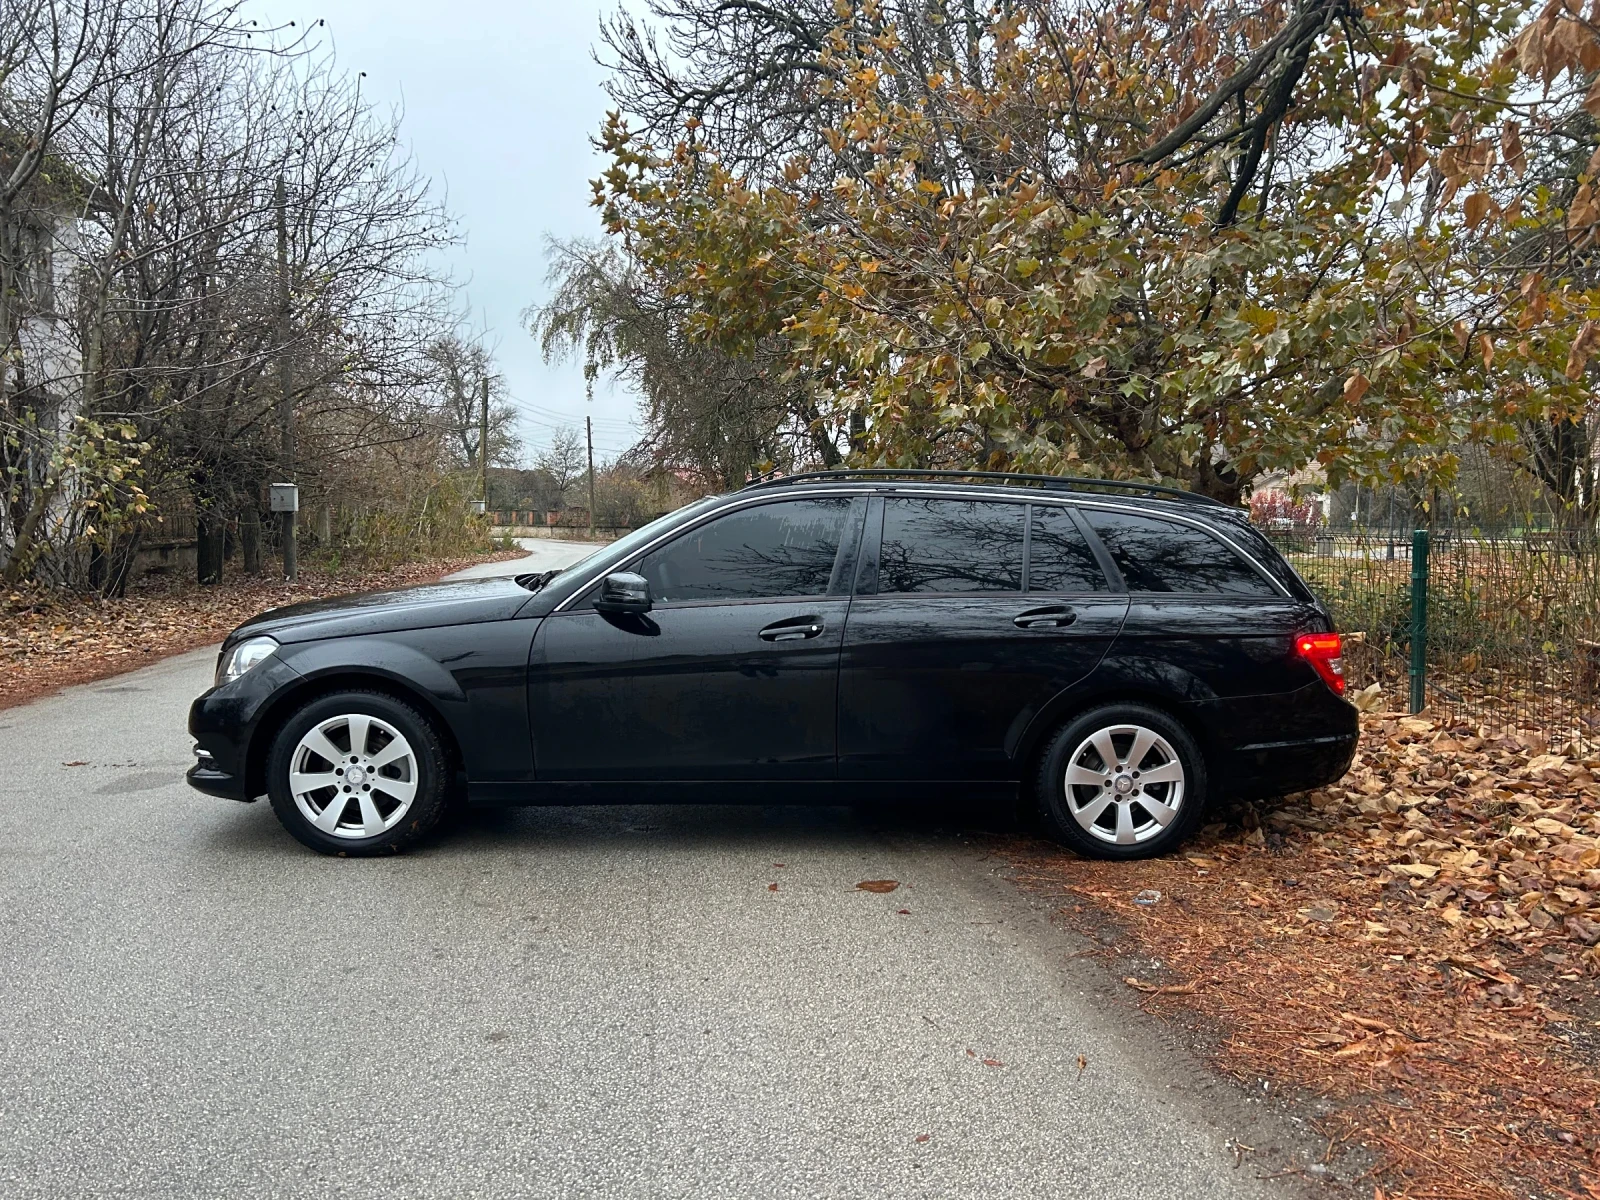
356	776
1124	785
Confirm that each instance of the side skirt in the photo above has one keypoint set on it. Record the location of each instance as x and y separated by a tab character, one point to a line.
733	791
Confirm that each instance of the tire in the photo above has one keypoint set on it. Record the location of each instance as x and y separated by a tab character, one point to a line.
387	796
1136	816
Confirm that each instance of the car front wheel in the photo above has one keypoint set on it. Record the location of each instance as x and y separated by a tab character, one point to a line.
1124	781
358	773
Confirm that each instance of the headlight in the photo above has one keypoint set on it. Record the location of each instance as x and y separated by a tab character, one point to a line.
242	657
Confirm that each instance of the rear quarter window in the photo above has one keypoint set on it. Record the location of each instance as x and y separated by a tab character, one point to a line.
1271	559
1156	555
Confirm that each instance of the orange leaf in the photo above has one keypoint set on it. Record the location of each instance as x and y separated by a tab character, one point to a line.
878	885
1487	346
1511	147
1584	210
1477	208
1356	387
1583	346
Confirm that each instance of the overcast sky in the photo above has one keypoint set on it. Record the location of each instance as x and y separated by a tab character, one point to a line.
500	99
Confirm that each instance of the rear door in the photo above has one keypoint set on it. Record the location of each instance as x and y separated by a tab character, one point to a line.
951	648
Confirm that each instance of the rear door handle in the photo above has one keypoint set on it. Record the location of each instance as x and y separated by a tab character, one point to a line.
783	631
1054	617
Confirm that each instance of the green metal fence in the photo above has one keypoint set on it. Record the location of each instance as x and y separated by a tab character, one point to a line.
1499	630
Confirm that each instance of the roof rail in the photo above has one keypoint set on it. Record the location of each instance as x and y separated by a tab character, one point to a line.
1066	483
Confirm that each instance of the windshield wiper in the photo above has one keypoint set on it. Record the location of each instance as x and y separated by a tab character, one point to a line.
535	580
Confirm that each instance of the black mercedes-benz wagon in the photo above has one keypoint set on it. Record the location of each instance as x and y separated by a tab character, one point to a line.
1115	654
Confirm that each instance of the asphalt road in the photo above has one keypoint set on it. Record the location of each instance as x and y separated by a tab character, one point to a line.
558	1002
544	554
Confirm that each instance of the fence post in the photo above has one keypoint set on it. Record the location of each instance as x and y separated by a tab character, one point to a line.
1419	619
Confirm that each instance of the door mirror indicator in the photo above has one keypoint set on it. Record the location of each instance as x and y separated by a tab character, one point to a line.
623	592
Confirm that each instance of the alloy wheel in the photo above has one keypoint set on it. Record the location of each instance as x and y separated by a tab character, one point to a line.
353	776
1124	784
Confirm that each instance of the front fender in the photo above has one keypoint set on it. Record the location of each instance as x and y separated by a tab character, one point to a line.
473	677
381	658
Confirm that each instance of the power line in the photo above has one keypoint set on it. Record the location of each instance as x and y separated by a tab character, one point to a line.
535	410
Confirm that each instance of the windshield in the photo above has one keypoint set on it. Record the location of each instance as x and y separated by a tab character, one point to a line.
624	547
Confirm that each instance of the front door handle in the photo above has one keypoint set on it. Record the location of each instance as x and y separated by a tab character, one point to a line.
1054	617
792	631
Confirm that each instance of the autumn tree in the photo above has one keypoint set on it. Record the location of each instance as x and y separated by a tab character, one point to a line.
719	414
564	459
1185	240
459	367
175	151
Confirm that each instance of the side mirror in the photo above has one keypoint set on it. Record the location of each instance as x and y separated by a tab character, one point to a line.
623	592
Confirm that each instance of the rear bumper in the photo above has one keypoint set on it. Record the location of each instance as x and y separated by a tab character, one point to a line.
1273	745
1278	768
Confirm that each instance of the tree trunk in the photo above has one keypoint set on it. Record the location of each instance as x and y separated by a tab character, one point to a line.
208	546
1220	483
22	547
250	538
119	564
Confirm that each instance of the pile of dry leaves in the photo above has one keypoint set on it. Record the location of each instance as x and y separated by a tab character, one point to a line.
49	639
1417	944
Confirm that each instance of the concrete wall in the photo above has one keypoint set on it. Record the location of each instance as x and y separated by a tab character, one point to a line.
602	533
171	558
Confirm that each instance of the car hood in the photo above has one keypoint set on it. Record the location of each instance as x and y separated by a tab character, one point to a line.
463	602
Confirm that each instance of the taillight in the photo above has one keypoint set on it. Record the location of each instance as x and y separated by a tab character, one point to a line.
1325	653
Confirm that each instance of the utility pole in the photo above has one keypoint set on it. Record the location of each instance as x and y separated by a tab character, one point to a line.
483	442
588	429
291	558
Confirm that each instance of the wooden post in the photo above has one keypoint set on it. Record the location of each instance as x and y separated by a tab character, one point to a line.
291	558
588	429
483	443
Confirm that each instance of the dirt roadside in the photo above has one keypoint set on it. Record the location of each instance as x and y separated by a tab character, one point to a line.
50	640
1413	952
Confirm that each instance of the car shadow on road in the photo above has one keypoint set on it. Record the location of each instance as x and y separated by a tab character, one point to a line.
728	825
666	827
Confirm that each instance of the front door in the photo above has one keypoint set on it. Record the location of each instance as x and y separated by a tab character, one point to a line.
970	617
733	674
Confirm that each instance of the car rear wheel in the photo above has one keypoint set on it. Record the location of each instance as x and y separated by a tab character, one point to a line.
358	773
1123	781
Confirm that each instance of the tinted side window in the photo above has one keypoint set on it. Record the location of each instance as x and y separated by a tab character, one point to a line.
950	546
1059	558
784	549
1164	556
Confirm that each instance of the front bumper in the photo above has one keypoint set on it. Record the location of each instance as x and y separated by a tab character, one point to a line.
224	723
205	777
